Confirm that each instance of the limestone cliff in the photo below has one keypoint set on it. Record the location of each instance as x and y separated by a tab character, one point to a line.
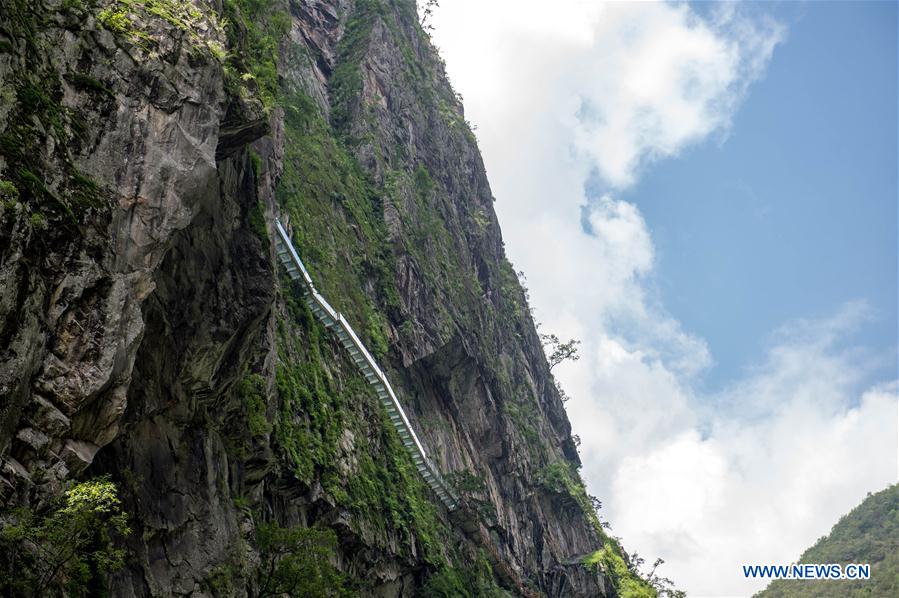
147	334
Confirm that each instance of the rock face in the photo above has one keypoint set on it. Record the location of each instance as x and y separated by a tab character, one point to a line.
147	334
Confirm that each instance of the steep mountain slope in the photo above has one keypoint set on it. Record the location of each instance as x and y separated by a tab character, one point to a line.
868	534
148	335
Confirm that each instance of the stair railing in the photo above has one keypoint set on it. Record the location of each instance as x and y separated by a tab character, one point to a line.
334	321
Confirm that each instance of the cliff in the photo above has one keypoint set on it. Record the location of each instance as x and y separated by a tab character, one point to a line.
149	338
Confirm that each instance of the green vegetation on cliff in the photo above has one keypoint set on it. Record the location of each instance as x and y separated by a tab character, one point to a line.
40	176
255	28
609	560
336	219
331	426
126	18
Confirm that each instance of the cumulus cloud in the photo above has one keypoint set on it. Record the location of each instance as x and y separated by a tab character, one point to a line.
756	489
657	78
571	101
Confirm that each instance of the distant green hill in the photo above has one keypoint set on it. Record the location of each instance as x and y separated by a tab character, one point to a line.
868	534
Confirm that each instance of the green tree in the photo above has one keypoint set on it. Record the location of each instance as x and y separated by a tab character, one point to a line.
559	351
297	562
69	548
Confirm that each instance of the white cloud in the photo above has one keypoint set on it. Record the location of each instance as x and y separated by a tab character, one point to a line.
622	236
759	489
562	91
657	78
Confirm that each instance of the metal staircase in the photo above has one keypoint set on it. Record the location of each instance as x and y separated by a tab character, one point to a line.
335	322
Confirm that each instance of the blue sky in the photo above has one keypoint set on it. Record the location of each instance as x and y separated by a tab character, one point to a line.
793	212
705	196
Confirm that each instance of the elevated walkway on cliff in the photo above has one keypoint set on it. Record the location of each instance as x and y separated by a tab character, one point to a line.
337	324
